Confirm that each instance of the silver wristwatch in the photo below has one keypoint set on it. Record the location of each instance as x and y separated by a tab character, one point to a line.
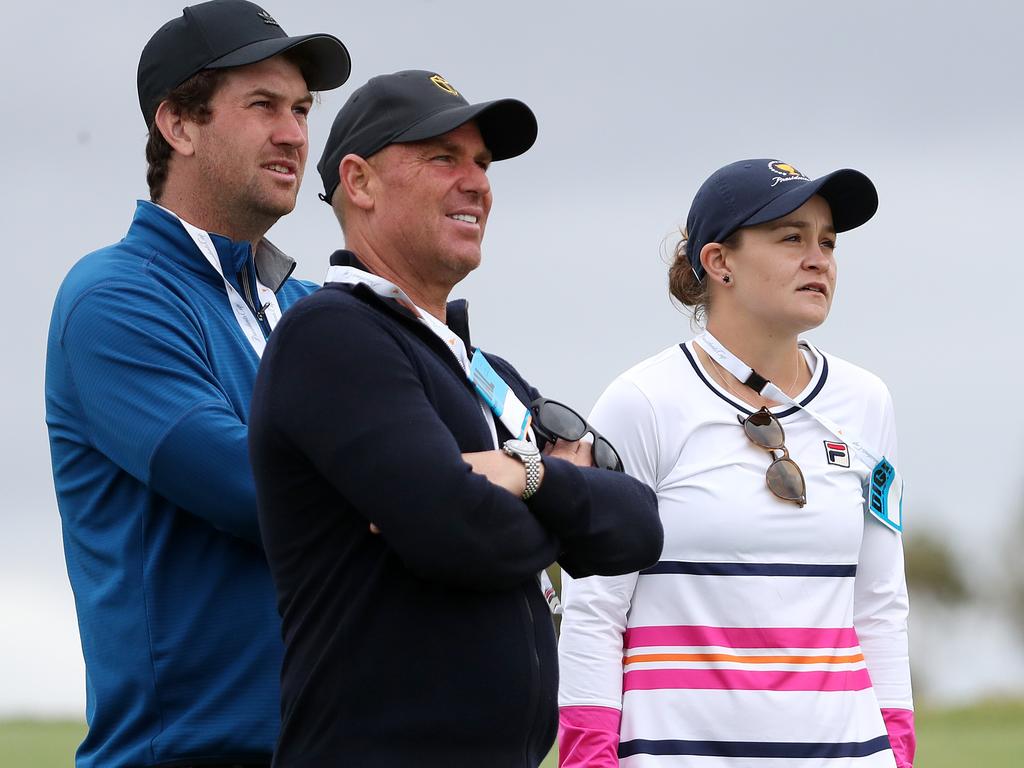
529	454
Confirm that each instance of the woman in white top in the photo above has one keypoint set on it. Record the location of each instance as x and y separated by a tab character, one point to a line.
773	629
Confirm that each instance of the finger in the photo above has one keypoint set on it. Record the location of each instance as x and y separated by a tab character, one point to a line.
585	454
568	446
374	528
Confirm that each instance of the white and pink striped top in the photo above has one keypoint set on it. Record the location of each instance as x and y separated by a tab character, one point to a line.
767	634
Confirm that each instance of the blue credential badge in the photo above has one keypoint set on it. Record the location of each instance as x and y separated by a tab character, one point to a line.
488	383
499	398
884	495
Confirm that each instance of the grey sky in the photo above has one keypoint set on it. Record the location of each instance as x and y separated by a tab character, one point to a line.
635	109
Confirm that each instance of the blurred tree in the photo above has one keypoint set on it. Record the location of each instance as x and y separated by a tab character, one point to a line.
932	568
1014	571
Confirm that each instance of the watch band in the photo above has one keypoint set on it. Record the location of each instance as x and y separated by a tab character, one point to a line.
530	456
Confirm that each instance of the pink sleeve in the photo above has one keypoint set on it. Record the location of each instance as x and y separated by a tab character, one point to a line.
900	725
588	737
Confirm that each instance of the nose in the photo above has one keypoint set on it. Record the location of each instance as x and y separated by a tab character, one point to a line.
818	257
290	130
474	179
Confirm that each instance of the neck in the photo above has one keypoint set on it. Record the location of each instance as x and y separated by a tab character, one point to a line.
424	294
776	357
210	218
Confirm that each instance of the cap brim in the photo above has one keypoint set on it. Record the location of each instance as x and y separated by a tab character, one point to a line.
849	193
325	61
508	126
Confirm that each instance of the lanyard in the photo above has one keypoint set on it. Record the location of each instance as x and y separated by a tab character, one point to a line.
247	322
765	388
883	485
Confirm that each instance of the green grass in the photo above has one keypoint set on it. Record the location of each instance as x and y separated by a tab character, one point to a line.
989	734
39	743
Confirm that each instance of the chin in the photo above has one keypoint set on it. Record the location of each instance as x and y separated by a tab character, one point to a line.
276	207
810	322
465	263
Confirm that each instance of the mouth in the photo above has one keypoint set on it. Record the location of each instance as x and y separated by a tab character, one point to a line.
815	288
468	218
281	168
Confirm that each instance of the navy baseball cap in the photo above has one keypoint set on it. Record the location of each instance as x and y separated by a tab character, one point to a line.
414	105
230	33
750	192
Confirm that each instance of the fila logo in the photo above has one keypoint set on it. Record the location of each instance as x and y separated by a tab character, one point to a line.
837	453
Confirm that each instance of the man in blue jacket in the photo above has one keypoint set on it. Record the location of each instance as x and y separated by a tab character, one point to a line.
153	348
405	507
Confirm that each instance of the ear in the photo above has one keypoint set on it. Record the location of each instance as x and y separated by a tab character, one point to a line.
715	262
356	181
174	128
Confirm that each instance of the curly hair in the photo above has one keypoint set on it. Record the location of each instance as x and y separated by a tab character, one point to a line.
191	99
684	285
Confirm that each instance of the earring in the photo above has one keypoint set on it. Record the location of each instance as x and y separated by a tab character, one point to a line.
726	279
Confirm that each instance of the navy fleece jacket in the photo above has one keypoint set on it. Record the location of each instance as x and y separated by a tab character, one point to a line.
429	644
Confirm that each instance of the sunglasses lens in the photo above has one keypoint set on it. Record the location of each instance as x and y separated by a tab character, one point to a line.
561	421
764	430
605	456
786	481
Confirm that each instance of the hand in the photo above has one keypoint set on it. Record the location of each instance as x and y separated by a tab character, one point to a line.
501	469
374	528
579	452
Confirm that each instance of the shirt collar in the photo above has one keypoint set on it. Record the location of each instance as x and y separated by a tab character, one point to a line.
273	266
456	311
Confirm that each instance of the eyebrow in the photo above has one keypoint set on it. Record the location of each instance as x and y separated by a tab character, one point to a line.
278	96
450	146
795	224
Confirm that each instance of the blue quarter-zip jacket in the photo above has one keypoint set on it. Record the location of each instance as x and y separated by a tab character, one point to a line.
148	383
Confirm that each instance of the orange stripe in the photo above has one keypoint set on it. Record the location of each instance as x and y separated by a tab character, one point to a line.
641	657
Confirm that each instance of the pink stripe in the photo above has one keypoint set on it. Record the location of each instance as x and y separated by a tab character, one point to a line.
742	637
742	680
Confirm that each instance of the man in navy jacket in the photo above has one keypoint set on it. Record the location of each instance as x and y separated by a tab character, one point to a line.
151	358
404	543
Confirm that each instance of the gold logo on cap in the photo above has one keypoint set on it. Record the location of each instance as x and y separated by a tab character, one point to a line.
785	169
444	85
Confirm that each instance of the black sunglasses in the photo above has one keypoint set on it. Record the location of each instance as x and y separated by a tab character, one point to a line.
552	419
784	477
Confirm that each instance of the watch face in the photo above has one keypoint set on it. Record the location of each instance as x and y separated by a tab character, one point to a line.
522	447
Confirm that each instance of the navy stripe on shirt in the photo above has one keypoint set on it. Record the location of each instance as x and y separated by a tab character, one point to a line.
770	749
751	569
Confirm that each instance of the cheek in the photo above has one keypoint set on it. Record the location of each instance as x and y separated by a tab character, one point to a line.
776	278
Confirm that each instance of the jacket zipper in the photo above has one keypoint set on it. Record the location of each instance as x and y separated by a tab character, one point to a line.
535	687
260	313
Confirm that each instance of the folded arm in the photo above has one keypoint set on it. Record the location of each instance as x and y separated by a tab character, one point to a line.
352	392
607	521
